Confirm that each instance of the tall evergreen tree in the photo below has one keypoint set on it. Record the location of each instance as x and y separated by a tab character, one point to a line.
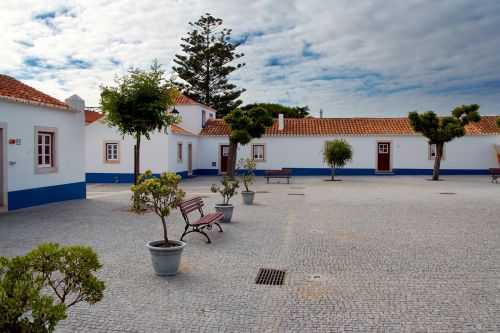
275	109
207	63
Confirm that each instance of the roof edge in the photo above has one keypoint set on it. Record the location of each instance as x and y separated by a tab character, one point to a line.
47	105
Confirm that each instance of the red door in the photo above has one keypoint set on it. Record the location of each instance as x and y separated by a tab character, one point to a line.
384	156
224	153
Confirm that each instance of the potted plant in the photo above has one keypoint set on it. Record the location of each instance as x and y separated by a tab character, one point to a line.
160	195
228	190
246	168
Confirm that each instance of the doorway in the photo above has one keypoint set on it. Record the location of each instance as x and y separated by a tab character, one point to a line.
190	159
3	166
384	157
224	153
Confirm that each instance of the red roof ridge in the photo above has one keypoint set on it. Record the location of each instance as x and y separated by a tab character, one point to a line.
182	99
14	90
179	130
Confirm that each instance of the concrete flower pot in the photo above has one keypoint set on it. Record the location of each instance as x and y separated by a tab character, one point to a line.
166	260
248	197
227	210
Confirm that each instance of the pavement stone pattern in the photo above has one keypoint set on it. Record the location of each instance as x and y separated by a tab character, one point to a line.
365	254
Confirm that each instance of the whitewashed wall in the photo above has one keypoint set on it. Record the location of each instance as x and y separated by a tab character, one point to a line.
191	117
408	152
21	120
176	166
154	152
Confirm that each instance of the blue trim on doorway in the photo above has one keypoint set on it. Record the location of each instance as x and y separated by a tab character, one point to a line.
44	195
127	178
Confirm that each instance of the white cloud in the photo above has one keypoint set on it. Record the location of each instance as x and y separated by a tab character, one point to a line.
368	58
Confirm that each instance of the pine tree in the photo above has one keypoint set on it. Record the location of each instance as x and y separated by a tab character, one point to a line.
207	63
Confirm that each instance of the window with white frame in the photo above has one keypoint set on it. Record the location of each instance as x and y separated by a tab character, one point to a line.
258	152
179	151
112	151
433	152
45	149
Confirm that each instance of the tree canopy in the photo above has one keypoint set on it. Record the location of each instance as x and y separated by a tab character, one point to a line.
337	154
139	105
206	64
439	130
275	109
245	126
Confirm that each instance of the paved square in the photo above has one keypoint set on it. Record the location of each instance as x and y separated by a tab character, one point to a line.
364	254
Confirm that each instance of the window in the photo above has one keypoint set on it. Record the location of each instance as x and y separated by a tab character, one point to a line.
203	118
111	152
383	148
258	152
211	115
433	152
45	149
179	151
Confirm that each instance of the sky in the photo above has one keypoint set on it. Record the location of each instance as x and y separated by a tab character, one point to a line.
349	58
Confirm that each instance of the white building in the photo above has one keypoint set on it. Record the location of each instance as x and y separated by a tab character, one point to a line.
41	144
381	146
109	157
199	145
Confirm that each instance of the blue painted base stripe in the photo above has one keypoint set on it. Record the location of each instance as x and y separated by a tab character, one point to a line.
44	195
127	178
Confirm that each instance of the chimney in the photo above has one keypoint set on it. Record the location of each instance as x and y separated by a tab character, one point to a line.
76	103
281	122
321	113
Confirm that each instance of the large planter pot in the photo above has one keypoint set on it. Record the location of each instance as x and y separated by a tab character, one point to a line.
227	210
248	197
166	260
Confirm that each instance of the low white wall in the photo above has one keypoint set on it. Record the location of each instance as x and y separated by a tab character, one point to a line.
408	152
21	120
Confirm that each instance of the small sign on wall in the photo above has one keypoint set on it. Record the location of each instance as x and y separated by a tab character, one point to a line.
15	141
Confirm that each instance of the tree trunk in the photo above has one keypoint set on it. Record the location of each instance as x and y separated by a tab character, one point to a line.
437	161
333	173
165	236
231	159
137	149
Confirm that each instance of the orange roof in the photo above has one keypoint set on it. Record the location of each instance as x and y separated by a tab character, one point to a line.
16	91
91	116
178	130
184	100
347	126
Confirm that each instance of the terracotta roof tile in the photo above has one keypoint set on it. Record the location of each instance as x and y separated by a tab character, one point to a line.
179	130
184	100
16	91
347	126
91	116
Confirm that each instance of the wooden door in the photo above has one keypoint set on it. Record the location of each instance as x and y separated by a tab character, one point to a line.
2	166
190	159
224	153
384	156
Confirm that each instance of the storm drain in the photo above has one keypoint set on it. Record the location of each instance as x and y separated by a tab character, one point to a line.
447	193
262	192
297	187
296	194
270	276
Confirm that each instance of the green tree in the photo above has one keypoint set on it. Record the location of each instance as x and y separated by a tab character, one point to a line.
244	126
36	289
139	105
275	109
227	190
246	171
160	195
337	154
439	130
498	122
206	64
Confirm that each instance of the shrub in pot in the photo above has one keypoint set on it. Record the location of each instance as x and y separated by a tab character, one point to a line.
36	289
245	170
227	190
160	195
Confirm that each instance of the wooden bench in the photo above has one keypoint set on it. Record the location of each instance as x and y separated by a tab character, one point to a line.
285	173
204	222
495	174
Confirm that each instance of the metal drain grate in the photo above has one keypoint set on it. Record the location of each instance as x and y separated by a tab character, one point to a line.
270	276
262	192
296	194
447	193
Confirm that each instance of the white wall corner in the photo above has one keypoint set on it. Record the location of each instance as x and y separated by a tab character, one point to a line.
76	102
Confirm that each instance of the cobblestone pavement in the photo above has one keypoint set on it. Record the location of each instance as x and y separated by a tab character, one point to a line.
376	254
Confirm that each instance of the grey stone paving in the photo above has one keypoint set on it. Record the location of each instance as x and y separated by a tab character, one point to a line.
374	254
